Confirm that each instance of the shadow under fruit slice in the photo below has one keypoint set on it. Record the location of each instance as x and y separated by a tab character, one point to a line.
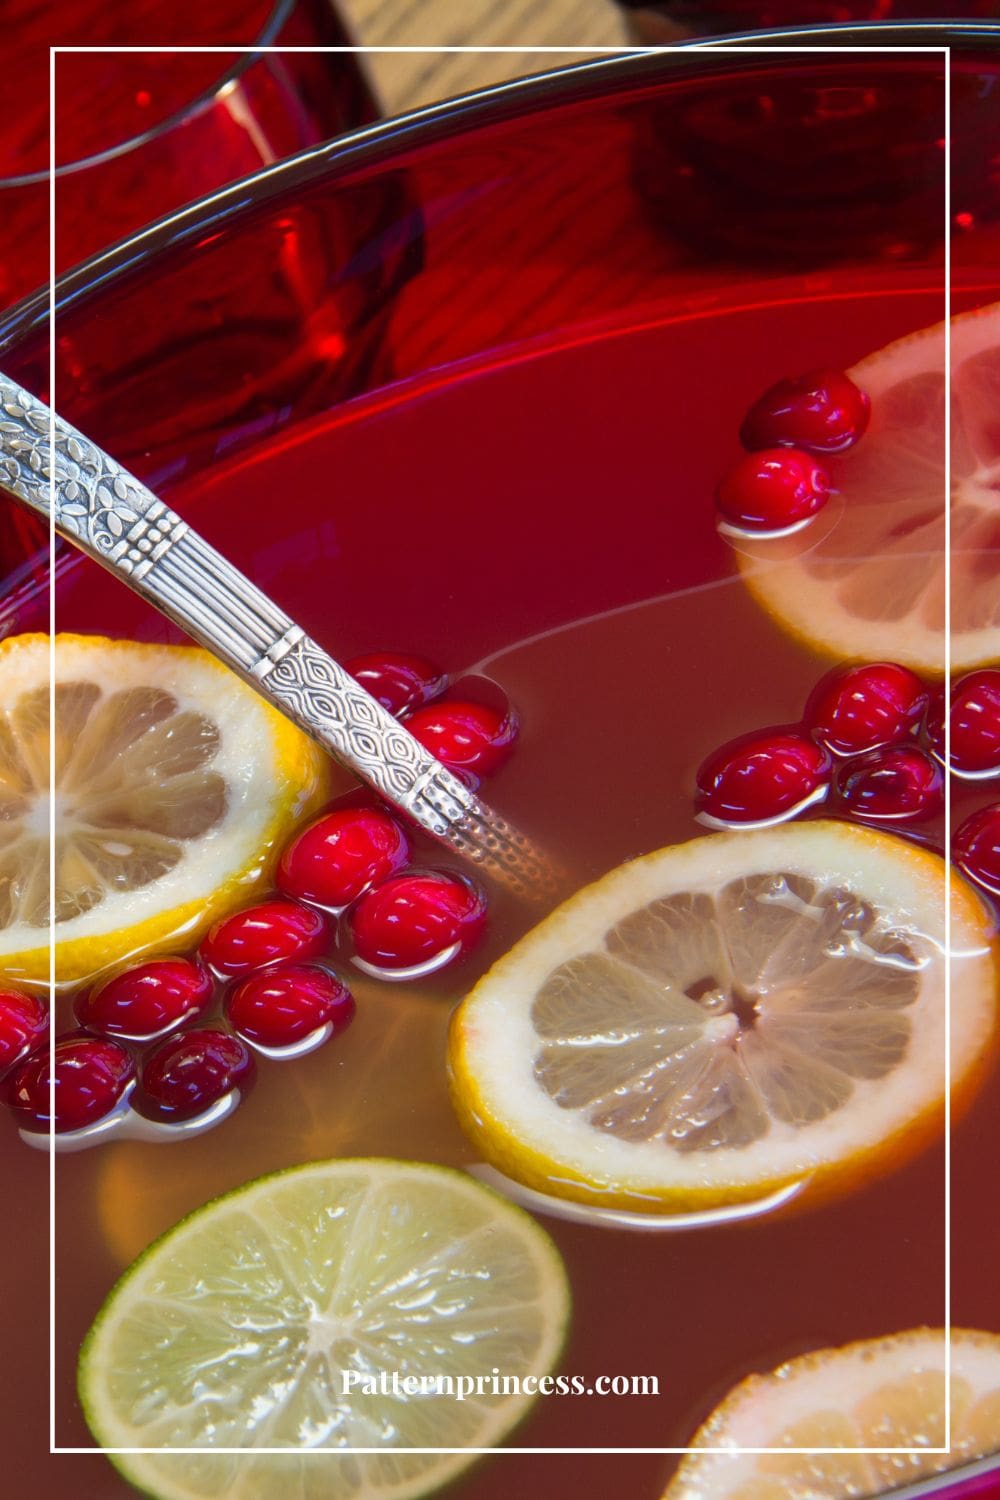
240	1327
726	1017
878	1393
173	784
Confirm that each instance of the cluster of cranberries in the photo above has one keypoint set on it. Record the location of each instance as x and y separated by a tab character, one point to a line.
780	484
174	1037
872	743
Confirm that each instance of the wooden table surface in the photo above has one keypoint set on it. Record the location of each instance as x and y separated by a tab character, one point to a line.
405	80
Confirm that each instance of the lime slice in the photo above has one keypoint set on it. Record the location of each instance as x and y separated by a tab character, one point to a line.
880	1393
724	1018
263	1319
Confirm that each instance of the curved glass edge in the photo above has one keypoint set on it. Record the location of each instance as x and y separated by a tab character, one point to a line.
246	57
373	143
974	1481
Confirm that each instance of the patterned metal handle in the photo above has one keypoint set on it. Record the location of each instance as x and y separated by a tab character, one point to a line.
113	517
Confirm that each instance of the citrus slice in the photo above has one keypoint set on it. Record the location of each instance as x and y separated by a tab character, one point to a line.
873	585
173	782
879	1393
269	1317
714	1021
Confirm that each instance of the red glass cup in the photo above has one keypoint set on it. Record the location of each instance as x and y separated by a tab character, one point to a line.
137	134
568	207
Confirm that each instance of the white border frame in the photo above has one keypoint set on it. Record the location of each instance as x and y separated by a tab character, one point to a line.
575	53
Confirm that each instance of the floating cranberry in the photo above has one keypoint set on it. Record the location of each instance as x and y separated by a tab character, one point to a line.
975	724
855	709
399	682
189	1073
975	848
273	932
417	920
24	1025
147	1001
340	856
772	491
92	1075
823	411
465	736
897	784
934	723
762	778
286	1005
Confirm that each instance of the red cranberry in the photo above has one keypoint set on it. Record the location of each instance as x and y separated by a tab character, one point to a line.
975	724
341	855
270	933
147	1001
975	848
24	1025
399	682
465	736
762	778
189	1073
855	709
934	722
288	1004
823	411
92	1074
898	783
772	491
417	920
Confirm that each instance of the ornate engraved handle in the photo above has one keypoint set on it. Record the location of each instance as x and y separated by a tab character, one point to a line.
114	518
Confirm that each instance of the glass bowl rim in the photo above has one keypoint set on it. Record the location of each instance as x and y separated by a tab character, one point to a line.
244	58
370	144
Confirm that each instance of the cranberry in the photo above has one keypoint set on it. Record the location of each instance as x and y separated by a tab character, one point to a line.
24	1025
189	1073
92	1074
341	855
772	491
399	682
934	723
288	1004
417	920
898	783
975	724
269	933
147	1001
860	708
762	778
975	848
823	411
465	736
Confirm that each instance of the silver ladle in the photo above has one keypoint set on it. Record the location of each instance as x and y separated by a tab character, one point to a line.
112	516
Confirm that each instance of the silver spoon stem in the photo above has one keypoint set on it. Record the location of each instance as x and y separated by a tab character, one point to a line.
109	514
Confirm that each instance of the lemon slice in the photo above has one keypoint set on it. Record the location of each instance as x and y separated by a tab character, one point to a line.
873	586
880	1393
246	1324
719	1019
173	783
